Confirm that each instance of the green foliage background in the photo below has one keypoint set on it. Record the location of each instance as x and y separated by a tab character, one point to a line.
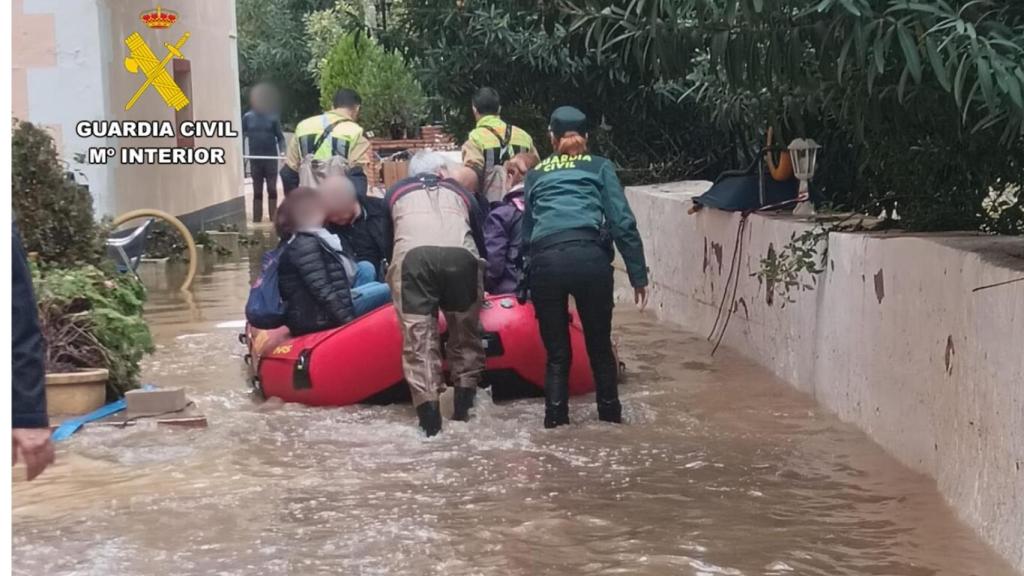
920	105
55	215
391	95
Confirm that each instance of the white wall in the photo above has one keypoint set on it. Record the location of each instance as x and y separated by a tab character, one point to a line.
85	79
928	368
76	88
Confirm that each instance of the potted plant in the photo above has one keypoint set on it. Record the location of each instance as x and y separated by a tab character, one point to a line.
90	316
95	335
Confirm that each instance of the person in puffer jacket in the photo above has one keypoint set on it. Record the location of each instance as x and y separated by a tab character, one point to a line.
321	285
503	229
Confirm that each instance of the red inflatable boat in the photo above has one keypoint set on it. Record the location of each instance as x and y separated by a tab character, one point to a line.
362	361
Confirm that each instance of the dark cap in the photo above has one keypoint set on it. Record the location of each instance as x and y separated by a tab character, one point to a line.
568	119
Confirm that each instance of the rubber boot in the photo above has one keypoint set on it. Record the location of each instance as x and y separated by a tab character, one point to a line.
463	402
430	417
272	207
257	208
606	386
556	399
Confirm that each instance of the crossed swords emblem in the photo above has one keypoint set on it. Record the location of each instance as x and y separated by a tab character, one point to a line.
143	59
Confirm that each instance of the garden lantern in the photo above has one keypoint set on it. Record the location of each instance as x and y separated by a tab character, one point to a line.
804	154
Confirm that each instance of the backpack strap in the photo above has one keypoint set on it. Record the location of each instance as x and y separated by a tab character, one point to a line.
503	144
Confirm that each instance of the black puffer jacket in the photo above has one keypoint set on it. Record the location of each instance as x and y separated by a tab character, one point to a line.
314	287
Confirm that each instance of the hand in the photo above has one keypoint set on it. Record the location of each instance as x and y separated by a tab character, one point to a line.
640	297
34	447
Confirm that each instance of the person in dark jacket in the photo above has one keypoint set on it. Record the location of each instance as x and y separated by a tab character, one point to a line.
321	284
574	202
30	427
503	229
362	222
261	129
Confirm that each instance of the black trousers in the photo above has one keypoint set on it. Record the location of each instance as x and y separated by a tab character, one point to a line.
582	269
263	171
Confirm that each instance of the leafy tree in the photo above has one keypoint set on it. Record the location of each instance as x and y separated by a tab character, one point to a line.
54	214
918	103
392	98
524	50
272	47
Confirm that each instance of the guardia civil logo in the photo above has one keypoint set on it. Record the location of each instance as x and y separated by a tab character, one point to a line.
143	60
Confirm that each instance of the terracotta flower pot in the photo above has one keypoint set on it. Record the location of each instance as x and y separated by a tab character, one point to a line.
77	392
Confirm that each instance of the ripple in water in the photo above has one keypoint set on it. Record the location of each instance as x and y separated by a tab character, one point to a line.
721	470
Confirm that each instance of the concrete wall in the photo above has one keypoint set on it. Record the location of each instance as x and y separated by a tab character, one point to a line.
893	338
68	66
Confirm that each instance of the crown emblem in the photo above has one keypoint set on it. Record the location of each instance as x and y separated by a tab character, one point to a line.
159	19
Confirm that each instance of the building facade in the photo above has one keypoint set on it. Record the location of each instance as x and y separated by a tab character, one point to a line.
69	66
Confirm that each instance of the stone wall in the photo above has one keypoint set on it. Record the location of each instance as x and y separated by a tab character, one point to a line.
893	338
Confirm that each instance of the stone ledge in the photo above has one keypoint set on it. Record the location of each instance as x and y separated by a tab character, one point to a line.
893	339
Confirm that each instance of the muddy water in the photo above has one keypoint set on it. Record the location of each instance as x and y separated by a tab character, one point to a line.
721	470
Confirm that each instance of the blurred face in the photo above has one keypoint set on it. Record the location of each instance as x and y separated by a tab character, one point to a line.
263	98
516	170
309	214
341	205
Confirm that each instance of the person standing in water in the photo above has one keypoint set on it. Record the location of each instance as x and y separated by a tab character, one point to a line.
575	208
261	129
437	267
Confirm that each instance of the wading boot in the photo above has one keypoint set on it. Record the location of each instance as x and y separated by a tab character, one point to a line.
257	209
556	401
430	417
609	411
463	402
606	385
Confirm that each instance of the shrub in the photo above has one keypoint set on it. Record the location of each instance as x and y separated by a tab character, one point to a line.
92	320
54	213
392	98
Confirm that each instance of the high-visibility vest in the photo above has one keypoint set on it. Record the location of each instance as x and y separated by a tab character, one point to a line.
341	141
499	140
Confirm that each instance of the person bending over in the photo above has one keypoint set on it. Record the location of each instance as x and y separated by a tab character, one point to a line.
503	229
437	267
321	284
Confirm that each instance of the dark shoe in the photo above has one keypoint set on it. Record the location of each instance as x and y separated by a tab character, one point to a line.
430	417
463	402
610	411
556	415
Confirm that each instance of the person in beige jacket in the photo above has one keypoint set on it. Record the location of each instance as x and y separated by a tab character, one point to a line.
437	266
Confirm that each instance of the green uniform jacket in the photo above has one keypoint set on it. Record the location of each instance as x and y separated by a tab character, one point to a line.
567	192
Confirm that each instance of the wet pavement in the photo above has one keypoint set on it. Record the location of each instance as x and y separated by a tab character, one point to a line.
720	470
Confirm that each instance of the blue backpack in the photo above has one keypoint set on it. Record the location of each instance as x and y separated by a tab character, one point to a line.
265	309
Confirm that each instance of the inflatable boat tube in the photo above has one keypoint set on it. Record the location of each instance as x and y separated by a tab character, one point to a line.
362	361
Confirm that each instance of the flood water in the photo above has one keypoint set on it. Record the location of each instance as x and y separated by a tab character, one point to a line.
721	470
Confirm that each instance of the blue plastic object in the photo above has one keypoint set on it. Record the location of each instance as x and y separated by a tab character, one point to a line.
69	427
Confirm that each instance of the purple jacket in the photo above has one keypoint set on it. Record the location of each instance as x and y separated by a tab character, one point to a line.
503	237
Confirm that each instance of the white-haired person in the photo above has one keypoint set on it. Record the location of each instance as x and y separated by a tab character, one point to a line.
437	266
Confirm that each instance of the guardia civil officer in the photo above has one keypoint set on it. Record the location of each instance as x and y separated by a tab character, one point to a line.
575	209
339	135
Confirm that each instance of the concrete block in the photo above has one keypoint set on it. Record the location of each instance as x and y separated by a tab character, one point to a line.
226	240
151	402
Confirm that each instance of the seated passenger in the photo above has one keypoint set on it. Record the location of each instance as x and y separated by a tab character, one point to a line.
503	229
321	285
362	222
